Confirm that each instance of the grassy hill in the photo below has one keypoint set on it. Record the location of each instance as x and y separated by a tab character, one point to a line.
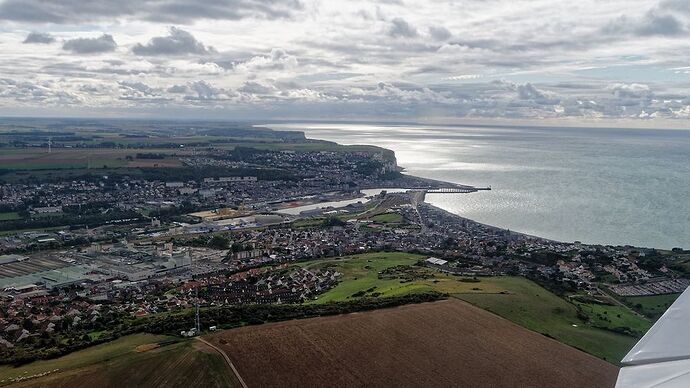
533	307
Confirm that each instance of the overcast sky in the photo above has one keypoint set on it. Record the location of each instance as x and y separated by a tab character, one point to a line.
326	59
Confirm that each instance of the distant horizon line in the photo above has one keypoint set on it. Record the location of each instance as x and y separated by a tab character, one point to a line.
453	122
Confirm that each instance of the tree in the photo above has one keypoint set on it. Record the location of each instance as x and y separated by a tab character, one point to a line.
219	242
333	221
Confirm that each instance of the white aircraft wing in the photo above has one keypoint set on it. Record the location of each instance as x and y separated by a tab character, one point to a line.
662	357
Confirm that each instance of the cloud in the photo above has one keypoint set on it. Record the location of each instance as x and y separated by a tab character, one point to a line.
102	44
651	24
205	92
403	94
660	24
529	92
39	37
252	87
401	29
45	92
633	90
141	93
178	89
365	58
439	33
197	92
675	5
138	87
178	42
176	11
277	59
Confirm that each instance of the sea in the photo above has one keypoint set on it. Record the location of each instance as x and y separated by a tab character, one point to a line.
618	186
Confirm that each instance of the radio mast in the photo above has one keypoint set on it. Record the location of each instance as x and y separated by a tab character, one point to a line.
196	317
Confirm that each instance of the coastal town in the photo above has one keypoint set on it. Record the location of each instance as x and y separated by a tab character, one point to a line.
159	267
81	254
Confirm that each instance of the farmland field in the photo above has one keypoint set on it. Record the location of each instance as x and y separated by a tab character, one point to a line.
440	344
75	158
132	361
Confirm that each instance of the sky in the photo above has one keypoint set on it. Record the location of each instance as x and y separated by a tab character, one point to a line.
538	60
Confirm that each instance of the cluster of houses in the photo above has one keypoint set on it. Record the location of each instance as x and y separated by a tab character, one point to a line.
272	287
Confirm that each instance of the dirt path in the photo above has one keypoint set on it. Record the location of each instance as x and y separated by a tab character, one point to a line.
227	360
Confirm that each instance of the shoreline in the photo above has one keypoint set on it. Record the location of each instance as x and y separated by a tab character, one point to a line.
531	236
498	228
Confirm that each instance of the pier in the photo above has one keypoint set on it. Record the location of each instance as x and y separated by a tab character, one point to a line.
418	195
450	189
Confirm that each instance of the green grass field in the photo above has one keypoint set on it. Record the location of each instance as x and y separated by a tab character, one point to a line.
651	306
308	223
531	306
614	316
9	216
360	274
387	218
516	299
119	363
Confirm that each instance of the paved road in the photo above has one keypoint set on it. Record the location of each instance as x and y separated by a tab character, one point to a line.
227	360
417	197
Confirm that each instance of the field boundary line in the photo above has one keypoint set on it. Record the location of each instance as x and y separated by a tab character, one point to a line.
227	360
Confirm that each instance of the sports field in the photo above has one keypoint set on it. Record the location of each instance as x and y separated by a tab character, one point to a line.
439	344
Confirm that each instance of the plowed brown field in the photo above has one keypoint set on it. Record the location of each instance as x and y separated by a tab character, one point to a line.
440	344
